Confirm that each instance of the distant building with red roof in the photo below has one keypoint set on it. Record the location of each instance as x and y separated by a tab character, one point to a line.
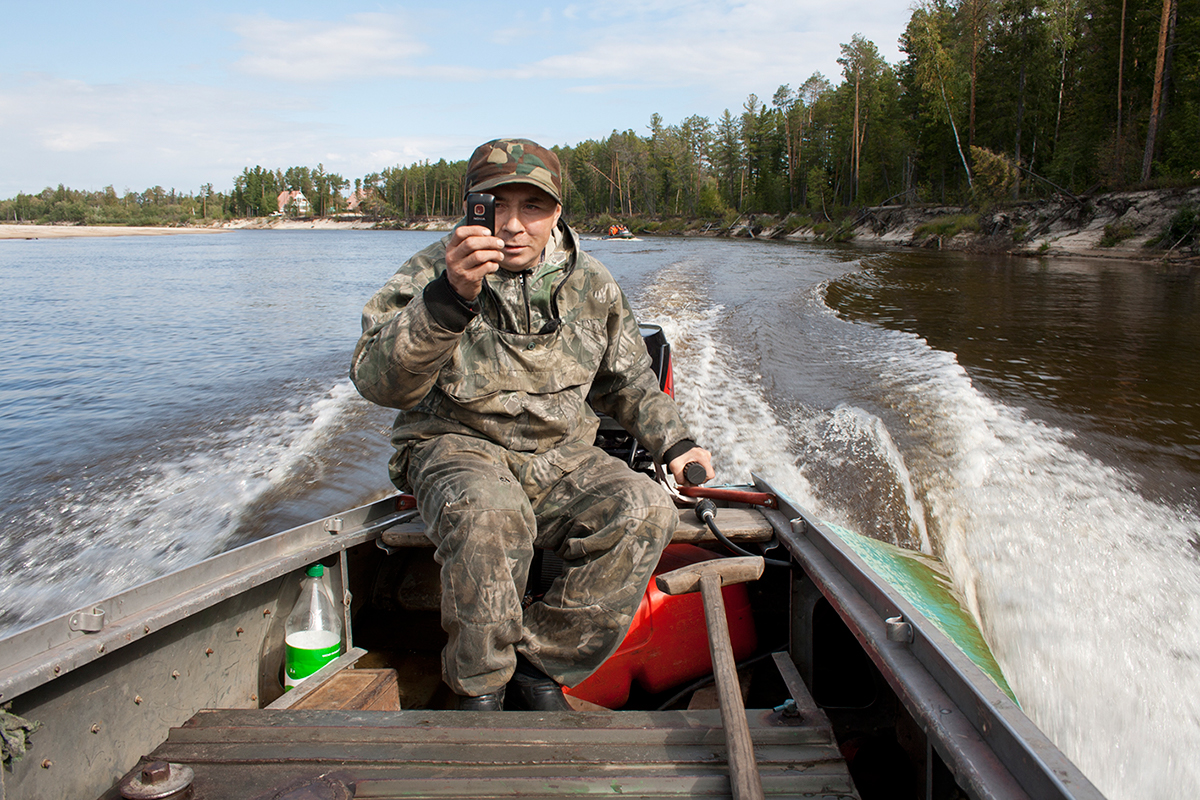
294	203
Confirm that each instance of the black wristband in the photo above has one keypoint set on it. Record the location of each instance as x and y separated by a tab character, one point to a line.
678	449
446	306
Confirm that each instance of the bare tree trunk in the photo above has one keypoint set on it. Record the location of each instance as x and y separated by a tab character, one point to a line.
855	152
800	150
1120	86
1020	122
787	136
614	185
1062	82
974	72
1156	98
954	129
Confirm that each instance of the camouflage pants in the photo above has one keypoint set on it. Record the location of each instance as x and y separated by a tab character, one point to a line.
487	508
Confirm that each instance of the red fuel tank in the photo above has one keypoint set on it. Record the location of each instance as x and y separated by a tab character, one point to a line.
667	644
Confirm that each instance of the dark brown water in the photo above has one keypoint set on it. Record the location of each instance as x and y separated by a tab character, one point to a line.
1106	349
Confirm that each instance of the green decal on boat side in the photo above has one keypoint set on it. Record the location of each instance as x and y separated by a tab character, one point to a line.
921	580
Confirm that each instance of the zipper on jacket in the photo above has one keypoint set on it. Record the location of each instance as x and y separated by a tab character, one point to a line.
525	292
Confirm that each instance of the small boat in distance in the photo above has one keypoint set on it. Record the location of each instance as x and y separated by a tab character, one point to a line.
619	232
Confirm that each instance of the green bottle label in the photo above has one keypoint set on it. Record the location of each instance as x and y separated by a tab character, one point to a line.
307	652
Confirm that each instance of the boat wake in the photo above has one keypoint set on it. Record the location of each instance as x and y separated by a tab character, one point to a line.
720	402
150	512
1087	591
841	463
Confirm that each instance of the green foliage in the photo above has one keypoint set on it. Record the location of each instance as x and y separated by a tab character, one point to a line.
711	204
995	175
154	206
1115	233
603	222
837	231
1183	230
949	226
420	190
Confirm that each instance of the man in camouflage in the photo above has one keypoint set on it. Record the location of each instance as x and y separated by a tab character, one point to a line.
496	348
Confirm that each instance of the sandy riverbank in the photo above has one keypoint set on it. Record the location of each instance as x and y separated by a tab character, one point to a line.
9	231
18	231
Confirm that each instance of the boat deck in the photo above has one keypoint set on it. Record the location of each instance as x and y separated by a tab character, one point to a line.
439	754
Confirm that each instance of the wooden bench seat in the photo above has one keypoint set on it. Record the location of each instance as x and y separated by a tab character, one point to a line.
739	524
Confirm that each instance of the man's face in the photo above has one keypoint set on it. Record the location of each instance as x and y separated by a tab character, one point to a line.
525	218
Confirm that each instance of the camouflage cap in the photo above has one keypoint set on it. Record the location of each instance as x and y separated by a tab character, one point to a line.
503	161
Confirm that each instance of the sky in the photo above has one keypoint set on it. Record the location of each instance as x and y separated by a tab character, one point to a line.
136	95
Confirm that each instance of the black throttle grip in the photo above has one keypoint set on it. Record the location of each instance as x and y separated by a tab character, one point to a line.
695	473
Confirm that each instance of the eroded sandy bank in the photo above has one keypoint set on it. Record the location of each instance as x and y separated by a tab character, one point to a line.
9	231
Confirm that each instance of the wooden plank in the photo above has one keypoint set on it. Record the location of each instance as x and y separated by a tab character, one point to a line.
738	524
315	681
514	758
643	728
386	785
391	783
356	690
454	754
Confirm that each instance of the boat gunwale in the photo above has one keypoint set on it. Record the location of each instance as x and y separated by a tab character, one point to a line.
49	650
1003	735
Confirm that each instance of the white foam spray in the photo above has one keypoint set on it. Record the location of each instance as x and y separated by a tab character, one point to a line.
1087	591
721	402
159	511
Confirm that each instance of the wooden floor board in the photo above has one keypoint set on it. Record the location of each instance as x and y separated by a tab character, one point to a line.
452	754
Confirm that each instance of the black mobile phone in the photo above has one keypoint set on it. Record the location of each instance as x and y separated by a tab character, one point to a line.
481	210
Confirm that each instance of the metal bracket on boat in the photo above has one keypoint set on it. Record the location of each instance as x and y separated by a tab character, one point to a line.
334	525
898	630
87	621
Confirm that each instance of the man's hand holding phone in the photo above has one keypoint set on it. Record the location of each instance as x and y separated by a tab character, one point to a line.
474	251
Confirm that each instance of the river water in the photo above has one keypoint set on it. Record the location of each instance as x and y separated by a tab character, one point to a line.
1033	422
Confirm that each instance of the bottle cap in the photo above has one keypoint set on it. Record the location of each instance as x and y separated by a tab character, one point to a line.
316	571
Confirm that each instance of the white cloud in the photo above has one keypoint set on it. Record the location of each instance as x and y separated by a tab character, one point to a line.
366	45
73	137
140	135
368	91
717	46
137	135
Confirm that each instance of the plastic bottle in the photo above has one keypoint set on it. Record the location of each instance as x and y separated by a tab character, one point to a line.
313	631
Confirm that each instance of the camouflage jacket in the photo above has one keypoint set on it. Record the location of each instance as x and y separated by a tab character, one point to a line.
546	347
